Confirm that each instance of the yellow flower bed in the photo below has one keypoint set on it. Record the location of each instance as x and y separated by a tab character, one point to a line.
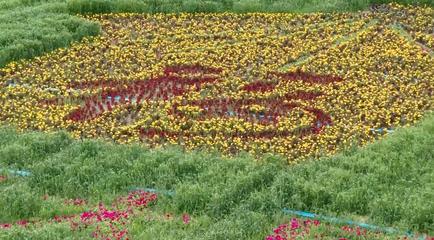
297	85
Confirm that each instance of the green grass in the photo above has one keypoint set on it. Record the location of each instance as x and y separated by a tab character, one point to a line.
31	28
30	31
103	6
389	183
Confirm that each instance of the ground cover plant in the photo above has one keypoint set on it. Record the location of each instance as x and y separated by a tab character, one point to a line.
262	89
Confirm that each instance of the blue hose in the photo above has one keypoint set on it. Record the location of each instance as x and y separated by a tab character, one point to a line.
153	190
20	173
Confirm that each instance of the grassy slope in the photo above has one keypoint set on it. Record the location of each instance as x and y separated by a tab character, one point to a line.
33	27
390	182
29	31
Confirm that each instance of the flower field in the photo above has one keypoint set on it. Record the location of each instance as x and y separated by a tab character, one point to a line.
315	229
299	85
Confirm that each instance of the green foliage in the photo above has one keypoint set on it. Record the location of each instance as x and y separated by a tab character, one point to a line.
45	232
31	31
239	6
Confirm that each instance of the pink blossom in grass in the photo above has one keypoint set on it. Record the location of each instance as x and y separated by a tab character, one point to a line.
347	228
5	225
23	223
95	234
121	234
140	198
110	222
112	215
186	218
57	219
294	224
280	228
360	232
85	216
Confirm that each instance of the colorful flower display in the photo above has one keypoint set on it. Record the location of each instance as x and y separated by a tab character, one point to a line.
105	222
298	85
314	229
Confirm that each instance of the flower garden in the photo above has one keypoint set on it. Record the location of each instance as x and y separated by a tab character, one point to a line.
185	86
296	85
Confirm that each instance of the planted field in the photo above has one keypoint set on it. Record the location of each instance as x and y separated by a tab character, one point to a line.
296	85
209	94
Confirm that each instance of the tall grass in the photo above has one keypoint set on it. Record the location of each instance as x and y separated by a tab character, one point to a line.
389	182
239	6
30	28
30	31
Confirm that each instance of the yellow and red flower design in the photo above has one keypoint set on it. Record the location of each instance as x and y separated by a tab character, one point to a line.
297	85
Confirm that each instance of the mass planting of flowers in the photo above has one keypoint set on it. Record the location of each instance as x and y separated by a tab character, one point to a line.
314	229
105	222
291	84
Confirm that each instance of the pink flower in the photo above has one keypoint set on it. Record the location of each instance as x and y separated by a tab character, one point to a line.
87	215
5	225
112	215
23	223
294	224
347	228
186	218
280	228
121	234
57	219
141	198
307	222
